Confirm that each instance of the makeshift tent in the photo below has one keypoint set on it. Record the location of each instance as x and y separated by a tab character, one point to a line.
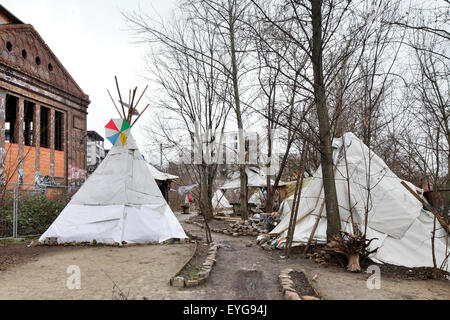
163	180
257	198
161	176
256	179
286	207
395	217
119	202
219	201
286	204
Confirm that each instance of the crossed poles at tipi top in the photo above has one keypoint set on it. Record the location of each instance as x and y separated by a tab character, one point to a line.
117	130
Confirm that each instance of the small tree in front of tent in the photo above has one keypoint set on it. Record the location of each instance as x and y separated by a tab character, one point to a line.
195	103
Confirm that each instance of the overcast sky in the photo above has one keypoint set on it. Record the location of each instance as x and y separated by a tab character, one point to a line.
90	39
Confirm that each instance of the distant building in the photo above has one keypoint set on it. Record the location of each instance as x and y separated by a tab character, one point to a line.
42	110
230	146
95	151
225	148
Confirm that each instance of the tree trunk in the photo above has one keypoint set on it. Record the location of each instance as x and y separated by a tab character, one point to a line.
269	190
269	196
333	220
244	193
353	263
447	193
234	77
205	198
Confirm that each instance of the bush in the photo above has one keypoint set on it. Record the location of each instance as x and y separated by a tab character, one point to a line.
6	208
37	213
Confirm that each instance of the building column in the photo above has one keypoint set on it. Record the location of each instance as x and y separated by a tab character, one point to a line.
68	144
52	142
37	137
84	147
18	132
2	118
2	133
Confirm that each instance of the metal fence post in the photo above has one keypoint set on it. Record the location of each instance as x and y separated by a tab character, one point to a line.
15	209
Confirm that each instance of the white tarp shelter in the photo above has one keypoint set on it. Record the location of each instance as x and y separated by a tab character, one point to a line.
119	202
395	217
256	179
219	201
257	198
158	175
286	207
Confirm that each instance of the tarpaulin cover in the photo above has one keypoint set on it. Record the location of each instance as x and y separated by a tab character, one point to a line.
395	217
219	201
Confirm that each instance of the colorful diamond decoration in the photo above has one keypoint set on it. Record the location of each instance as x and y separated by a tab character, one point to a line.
116	135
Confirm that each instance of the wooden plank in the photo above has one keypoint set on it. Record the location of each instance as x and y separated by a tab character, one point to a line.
432	210
227	218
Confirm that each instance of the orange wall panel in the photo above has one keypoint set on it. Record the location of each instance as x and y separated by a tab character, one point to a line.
29	167
59	164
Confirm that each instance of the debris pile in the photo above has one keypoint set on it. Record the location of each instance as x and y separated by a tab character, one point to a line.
245	228
238	228
266	242
321	257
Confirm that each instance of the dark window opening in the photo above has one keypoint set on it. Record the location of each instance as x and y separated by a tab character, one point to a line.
10	119
50	67
38	60
59	126
45	125
24	54
9	46
28	125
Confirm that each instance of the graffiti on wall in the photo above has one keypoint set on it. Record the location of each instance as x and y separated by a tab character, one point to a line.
76	177
41	182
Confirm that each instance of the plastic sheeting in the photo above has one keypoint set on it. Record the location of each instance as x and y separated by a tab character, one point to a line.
219	201
403	230
255	178
119	202
158	175
257	198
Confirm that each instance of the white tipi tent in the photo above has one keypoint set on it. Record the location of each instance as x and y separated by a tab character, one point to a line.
219	201
395	217
120	201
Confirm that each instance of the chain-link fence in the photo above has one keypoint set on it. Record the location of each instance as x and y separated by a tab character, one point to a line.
28	210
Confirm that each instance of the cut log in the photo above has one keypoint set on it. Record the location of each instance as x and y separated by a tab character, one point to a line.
353	263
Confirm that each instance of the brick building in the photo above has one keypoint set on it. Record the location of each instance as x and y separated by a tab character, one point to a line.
42	109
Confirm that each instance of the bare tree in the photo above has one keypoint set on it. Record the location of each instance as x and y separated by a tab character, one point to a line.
194	100
227	15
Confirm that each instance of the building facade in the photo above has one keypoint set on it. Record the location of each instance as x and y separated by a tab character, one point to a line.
95	152
230	147
42	110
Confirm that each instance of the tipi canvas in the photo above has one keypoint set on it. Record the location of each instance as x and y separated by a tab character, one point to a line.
395	217
219	201
119	202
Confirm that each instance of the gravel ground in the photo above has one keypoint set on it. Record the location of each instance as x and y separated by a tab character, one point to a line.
139	272
241	266
243	271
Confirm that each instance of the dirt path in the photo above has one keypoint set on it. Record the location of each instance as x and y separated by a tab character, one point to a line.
141	271
248	272
243	271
